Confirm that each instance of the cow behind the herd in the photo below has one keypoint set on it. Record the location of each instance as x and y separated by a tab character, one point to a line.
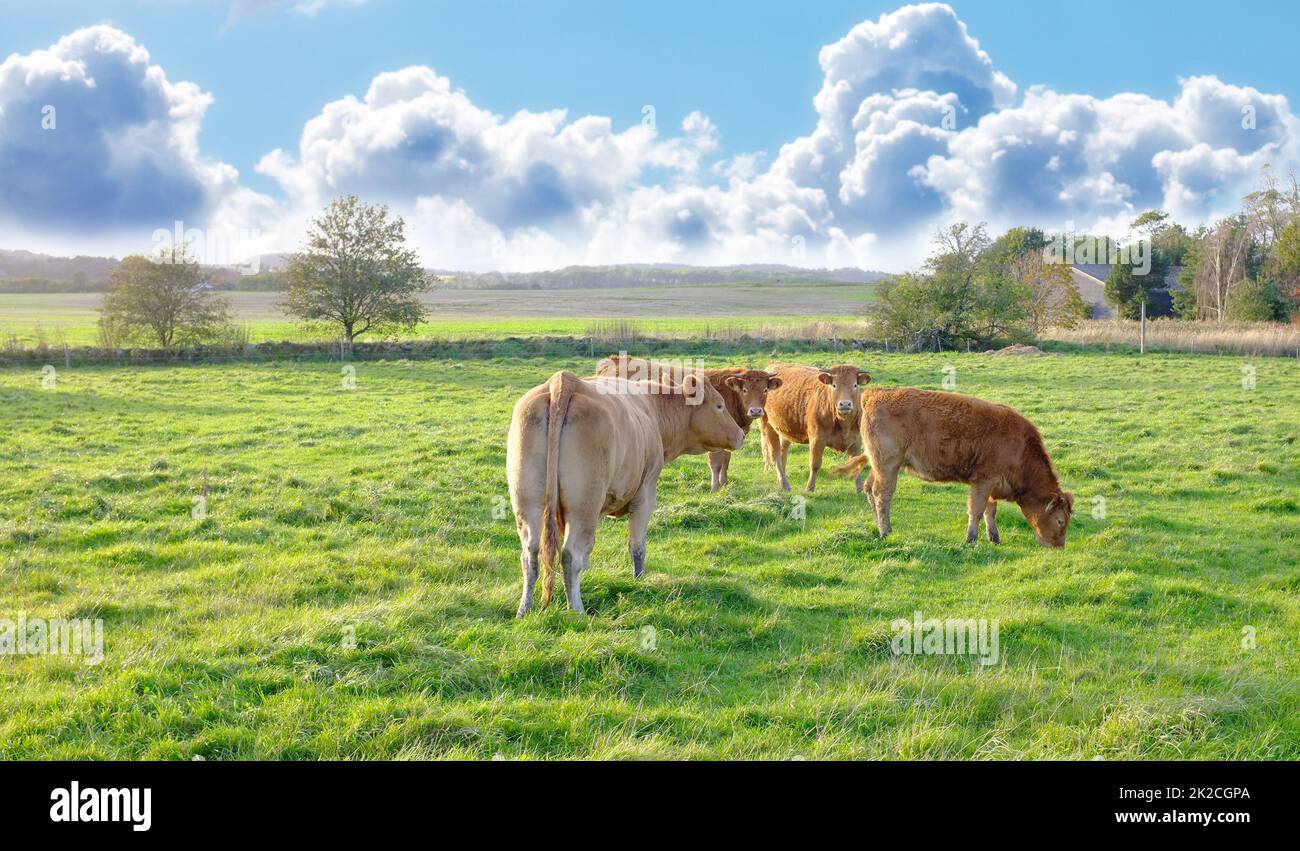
819	407
744	392
945	437
580	449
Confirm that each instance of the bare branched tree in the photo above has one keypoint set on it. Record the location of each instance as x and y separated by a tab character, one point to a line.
1054	299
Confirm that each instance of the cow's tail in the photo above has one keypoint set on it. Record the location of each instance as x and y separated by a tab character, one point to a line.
852	467
561	393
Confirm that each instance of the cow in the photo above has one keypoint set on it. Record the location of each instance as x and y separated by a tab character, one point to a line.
744	392
818	407
580	449
946	437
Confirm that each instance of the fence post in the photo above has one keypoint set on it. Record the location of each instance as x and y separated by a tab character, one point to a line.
1142	342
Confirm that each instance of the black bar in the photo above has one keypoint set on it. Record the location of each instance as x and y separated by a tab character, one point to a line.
215	800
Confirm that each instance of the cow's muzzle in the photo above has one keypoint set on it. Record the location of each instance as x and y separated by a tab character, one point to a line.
755	413
846	407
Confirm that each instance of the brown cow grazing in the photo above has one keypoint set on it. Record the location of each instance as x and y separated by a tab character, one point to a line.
744	392
944	437
818	407
580	449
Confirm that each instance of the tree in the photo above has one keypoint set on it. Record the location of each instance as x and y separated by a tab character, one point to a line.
356	271
1222	266
1128	290
163	299
1287	253
1259	300
1054	299
961	296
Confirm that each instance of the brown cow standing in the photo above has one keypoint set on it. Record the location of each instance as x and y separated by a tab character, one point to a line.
818	407
944	437
744	392
579	450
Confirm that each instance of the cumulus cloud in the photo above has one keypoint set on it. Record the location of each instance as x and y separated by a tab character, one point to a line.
94	138
915	127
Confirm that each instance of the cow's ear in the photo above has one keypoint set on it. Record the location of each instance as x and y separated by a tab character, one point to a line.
773	382
736	383
864	378
826	377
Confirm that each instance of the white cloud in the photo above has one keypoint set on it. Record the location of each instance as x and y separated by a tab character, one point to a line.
915	127
95	139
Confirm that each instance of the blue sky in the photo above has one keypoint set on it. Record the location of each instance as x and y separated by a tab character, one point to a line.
749	71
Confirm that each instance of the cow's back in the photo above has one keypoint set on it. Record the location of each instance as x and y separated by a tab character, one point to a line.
946	437
608	446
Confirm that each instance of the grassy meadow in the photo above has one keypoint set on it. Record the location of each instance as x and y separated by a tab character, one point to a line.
28	319
350	591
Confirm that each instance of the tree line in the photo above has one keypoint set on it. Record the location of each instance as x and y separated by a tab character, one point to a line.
974	290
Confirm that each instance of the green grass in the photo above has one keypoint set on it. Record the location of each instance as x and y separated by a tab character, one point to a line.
71	318
375	511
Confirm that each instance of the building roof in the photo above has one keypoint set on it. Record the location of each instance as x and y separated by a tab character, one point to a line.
1090	278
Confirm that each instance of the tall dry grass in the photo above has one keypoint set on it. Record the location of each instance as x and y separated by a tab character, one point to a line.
1240	338
618	331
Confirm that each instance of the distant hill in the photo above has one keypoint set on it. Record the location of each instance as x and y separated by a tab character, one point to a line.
25	271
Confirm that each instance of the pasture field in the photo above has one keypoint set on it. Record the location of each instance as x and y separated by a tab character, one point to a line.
476	314
376	514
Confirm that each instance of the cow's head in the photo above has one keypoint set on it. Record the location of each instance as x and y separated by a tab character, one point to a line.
752	386
711	426
1052	519
845	385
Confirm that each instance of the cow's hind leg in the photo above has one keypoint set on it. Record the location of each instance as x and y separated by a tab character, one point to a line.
774	449
868	490
578	544
884	480
991	522
638	521
529	525
527	497
976	503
